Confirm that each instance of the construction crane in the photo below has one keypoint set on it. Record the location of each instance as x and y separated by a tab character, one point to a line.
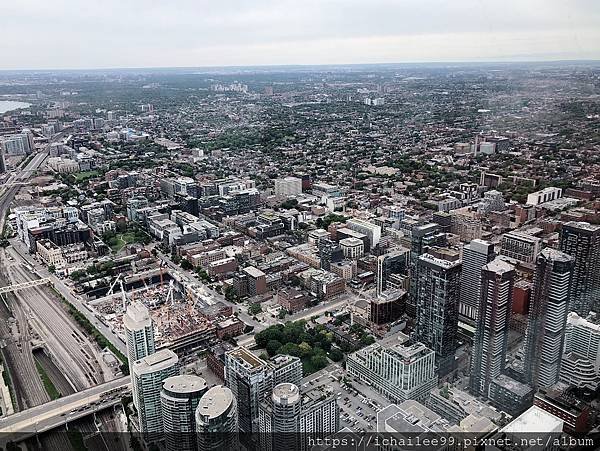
112	287
162	263
123	297
170	294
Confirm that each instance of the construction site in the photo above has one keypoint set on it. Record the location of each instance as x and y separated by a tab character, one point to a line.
175	307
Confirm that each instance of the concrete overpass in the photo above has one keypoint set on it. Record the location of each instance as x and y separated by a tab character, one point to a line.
22	286
57	413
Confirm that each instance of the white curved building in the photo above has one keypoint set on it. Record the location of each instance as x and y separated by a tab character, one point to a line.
139	333
216	419
179	399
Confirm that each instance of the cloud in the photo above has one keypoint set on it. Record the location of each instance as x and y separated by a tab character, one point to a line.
151	33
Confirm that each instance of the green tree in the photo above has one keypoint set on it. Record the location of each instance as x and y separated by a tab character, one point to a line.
305	349
318	361
254	309
336	355
273	347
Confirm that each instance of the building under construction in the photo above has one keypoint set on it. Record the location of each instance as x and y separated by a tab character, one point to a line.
179	323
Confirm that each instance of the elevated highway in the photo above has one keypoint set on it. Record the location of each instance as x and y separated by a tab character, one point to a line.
54	414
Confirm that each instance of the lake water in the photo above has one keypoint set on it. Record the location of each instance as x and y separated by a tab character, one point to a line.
9	105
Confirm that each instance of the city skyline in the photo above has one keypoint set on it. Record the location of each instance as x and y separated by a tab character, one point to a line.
265	229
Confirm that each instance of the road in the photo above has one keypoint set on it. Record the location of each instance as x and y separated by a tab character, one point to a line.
59	285
16	347
74	353
35	307
17	353
55	413
14	183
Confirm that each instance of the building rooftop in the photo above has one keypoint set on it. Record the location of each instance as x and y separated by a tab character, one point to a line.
286	393
592	322
513	385
441	262
184	383
499	266
160	360
555	255
583	226
247	358
351	233
351	241
410	417
524	236
137	316
253	272
533	420
215	402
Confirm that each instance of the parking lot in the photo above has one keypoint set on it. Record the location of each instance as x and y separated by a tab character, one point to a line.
358	403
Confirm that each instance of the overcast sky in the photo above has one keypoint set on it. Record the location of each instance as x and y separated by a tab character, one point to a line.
43	34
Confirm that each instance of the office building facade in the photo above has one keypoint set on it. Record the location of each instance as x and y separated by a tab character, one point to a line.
372	231
520	246
437	299
399	372
580	366
581	240
491	333
475	255
288	186
547	317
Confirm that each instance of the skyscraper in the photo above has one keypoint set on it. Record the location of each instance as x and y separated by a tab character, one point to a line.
437	299
520	246
249	377
491	333
581	240
288	417
422	238
139	333
279	418
216	420
476	254
547	317
179	398
147	380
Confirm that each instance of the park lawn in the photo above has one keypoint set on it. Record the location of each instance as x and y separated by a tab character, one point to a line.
121	240
81	176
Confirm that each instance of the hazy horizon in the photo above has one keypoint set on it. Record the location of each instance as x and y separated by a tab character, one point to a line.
322	65
190	34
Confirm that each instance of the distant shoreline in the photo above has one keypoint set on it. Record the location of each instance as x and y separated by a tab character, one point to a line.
11	105
303	67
